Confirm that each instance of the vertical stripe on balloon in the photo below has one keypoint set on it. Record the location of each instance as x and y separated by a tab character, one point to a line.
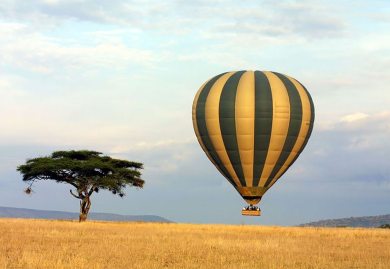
195	125
304	129
294	125
263	123
311	124
227	121
201	128
213	125
245	123
280	125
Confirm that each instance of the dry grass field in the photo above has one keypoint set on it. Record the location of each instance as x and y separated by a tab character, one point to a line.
67	244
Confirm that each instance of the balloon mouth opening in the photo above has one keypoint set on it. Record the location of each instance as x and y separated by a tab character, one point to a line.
252	200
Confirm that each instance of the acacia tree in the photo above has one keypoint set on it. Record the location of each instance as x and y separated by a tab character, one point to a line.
87	171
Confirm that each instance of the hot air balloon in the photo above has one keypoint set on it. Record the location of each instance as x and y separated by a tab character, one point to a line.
252	125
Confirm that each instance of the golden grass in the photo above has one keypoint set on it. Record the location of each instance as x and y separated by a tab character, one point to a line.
67	244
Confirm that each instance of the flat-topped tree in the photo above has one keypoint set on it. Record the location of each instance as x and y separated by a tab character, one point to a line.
87	171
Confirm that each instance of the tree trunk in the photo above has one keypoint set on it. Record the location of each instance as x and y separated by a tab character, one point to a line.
85	205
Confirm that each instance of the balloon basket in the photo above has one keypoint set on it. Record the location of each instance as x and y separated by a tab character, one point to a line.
251	211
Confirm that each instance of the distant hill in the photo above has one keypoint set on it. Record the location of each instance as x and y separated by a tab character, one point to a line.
371	221
12	212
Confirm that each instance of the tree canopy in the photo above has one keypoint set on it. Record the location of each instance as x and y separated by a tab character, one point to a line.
87	171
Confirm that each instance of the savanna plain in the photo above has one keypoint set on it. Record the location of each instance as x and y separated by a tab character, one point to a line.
69	244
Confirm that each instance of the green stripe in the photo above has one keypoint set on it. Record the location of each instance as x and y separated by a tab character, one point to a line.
227	114
312	116
263	124
202	127
294	125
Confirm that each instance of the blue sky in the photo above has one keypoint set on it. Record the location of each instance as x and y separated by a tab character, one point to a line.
120	77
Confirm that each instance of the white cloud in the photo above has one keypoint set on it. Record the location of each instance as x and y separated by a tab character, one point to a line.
164	156
10	87
46	55
345	162
265	18
366	131
150	145
354	117
360	124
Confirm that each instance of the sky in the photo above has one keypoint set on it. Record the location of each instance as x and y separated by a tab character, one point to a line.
120	77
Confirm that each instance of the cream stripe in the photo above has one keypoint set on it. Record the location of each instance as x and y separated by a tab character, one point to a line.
245	123
213	126
306	115
280	124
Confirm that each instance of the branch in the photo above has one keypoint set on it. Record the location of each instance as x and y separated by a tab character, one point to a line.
77	196
71	183
91	190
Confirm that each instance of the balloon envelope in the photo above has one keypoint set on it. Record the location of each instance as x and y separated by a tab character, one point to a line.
252	125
